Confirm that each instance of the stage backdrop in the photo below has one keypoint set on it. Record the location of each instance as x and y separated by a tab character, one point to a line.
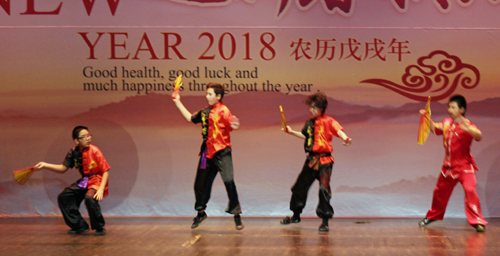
111	65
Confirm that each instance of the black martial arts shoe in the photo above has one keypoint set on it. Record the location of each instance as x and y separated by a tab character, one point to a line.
198	219
78	231
323	228
480	228
237	221
425	222
100	232
287	220
324	225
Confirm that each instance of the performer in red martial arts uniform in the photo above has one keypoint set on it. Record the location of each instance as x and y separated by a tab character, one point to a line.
458	165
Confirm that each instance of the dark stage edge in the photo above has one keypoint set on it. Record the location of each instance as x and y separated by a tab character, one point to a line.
261	236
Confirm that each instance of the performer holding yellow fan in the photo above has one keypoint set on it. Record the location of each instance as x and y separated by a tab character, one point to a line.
317	133
92	187
215	154
458	165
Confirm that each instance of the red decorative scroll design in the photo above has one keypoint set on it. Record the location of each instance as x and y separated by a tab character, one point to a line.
437	75
444	5
205	1
208	2
345	6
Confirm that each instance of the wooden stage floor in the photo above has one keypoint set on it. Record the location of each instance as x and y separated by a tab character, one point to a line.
261	236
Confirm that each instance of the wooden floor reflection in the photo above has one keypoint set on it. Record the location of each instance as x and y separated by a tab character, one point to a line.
261	236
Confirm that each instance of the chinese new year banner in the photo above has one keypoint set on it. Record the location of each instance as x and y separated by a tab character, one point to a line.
111	65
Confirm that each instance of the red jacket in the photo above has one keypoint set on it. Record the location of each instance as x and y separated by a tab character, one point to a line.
319	133
456	144
216	125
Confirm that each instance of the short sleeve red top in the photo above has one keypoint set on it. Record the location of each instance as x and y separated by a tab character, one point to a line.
457	144
90	162
319	133
216	125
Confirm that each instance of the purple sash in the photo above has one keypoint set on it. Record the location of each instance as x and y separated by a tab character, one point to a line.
203	160
84	181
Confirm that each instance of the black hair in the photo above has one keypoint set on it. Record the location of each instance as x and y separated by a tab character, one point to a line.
218	89
77	130
460	100
318	100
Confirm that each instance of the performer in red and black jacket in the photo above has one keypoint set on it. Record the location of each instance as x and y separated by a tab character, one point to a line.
215	155
91	188
318	133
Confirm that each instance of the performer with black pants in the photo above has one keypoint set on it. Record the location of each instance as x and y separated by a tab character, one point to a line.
317	133
215	155
92	187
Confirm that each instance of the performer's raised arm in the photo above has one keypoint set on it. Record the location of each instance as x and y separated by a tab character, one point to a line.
184	112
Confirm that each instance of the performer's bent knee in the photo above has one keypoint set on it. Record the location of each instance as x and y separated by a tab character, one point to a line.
63	197
90	200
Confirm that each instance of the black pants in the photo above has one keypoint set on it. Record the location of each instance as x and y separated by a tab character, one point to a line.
304	182
222	163
69	202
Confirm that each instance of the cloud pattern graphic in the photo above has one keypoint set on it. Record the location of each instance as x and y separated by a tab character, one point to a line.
437	75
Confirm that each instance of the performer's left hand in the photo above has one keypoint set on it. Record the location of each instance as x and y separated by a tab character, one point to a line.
235	123
99	195
464	125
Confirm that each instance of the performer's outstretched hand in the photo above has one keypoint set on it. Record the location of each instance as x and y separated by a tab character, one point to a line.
347	141
39	166
235	123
